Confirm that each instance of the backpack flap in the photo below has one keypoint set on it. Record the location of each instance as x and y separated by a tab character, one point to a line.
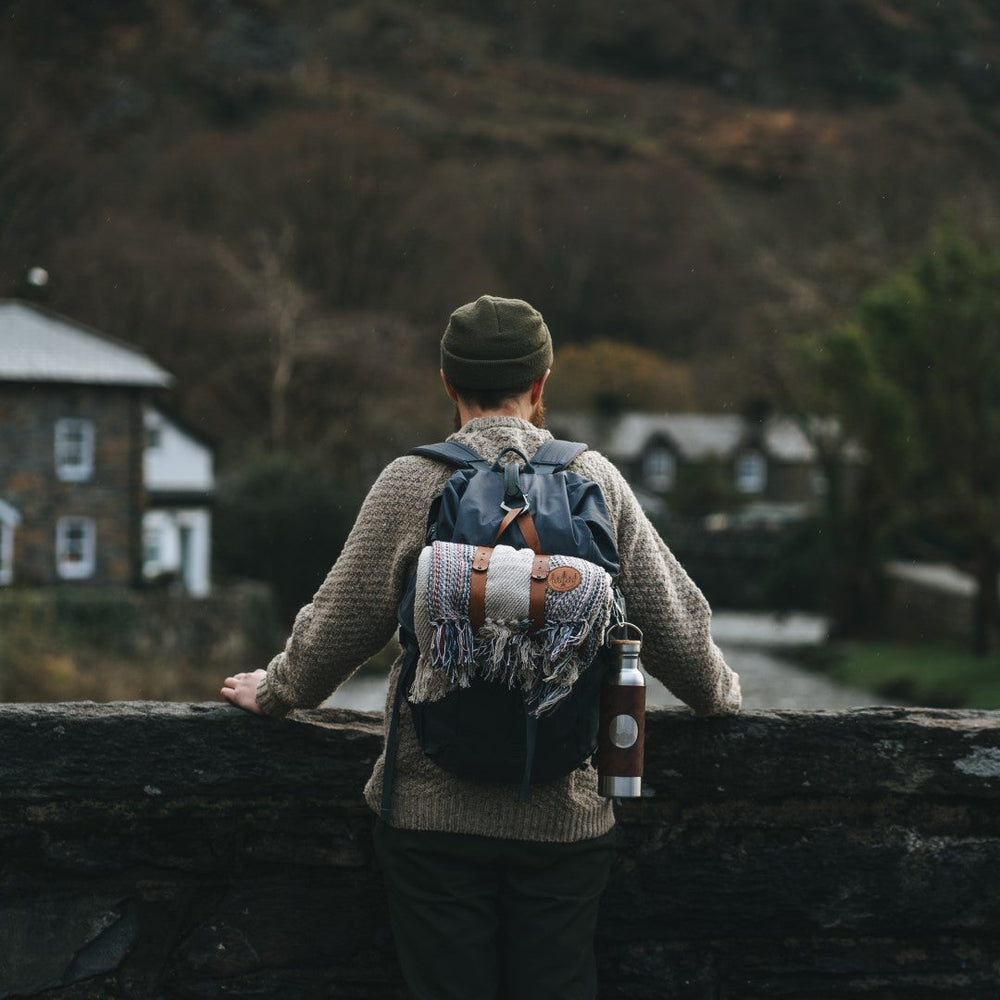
569	513
575	520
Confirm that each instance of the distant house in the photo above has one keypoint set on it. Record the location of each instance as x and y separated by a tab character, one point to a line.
769	467
79	488
179	475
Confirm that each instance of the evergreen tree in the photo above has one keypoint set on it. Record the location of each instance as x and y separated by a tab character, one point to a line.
916	380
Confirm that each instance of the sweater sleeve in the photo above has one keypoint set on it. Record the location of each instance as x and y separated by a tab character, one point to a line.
353	614
672	612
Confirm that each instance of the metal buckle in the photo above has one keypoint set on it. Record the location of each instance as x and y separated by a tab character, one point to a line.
522	506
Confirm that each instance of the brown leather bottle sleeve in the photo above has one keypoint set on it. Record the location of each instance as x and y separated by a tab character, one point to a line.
622	762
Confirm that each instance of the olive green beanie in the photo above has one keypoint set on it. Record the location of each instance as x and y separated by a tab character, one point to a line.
495	344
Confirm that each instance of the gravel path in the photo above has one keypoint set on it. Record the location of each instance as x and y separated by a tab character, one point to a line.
752	646
768	681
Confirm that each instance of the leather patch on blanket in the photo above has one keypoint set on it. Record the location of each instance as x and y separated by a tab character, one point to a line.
564	578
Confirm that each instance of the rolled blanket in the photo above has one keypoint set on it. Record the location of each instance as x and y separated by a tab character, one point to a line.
544	664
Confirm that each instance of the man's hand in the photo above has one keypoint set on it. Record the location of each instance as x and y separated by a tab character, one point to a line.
241	690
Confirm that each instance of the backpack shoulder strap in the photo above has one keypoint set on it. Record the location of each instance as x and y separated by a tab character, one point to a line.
451	453
555	455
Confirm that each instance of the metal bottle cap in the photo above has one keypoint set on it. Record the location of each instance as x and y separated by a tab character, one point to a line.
617	787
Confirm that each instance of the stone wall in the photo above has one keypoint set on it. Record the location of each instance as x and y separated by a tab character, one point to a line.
166	851
112	497
929	602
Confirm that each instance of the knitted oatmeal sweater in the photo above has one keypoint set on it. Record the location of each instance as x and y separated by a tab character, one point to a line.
353	615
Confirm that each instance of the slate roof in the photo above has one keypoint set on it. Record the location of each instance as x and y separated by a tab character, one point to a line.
694	435
38	346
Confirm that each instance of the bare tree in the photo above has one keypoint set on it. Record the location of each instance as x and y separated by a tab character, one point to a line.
266	275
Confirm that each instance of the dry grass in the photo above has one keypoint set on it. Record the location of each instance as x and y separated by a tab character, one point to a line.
40	670
122	646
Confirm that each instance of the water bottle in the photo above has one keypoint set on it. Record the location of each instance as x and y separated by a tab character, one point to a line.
621	739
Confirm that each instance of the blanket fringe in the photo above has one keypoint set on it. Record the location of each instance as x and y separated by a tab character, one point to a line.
544	665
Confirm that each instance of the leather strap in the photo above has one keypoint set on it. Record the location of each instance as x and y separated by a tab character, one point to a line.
477	586
527	525
508	520
536	595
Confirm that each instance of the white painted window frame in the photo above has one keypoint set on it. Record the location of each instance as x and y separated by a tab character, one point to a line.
750	472
74	449
9	521
74	563
659	468
152	549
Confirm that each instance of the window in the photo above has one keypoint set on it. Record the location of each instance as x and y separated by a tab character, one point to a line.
76	548
751	472
659	469
153	425
6	554
9	520
152	549
74	450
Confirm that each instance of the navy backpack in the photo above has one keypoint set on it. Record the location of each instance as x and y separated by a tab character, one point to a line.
486	732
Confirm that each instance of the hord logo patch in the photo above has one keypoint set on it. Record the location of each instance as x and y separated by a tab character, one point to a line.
564	578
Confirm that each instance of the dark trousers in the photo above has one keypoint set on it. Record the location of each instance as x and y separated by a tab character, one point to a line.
478	918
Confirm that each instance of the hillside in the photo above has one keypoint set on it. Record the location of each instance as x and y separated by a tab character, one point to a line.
283	200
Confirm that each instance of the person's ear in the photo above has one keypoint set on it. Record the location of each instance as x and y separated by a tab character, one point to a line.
449	388
538	387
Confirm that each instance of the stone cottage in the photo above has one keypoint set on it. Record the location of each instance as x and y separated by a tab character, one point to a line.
79	469
769	468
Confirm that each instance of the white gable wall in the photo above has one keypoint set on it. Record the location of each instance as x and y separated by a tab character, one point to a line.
177	542
173	460
177	536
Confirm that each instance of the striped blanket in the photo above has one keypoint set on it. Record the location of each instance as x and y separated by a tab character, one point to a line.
543	663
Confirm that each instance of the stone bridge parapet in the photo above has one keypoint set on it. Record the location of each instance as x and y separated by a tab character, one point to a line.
154	850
